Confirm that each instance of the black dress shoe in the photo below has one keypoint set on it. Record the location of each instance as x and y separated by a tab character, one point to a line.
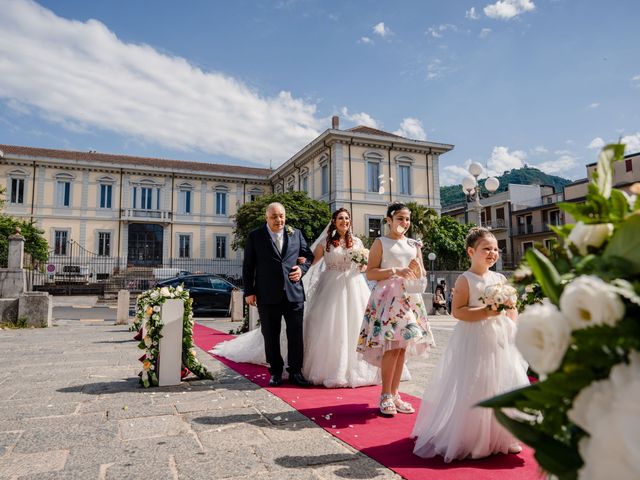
275	380
298	379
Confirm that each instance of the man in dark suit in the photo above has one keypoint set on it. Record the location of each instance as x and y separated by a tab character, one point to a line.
271	276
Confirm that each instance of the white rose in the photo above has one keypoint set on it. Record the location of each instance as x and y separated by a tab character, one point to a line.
154	294
164	291
588	301
147	341
179	288
156	308
543	336
583	235
610	412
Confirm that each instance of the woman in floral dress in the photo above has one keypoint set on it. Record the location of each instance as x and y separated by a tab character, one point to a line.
395	321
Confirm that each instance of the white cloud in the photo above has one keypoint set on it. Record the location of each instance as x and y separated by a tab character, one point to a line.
472	14
453	174
561	165
636	80
81	75
593	106
501	160
411	128
484	33
365	40
437	69
596	144
540	150
361	118
382	30
563	152
437	32
632	143
508	9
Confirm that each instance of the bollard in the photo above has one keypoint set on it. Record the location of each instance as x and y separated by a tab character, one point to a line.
122	317
170	348
237	305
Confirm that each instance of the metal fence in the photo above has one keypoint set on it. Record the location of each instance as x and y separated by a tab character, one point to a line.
72	269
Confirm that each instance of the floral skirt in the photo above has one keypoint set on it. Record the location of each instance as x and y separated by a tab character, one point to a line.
393	319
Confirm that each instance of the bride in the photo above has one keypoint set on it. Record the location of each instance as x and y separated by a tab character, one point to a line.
337	295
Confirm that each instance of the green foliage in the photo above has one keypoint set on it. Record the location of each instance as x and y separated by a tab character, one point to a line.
34	243
307	215
452	194
20	322
543	421
446	239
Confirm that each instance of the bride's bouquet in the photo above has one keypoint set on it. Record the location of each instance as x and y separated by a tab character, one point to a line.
500	297
359	256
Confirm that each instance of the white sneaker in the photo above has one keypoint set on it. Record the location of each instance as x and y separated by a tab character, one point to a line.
515	448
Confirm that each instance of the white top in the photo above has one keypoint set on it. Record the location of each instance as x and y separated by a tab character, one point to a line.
478	284
397	253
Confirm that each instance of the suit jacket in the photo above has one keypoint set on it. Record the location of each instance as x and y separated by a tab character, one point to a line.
265	271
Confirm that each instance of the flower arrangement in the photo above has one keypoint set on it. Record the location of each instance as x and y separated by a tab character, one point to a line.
500	297
582	336
359	256
289	229
148	309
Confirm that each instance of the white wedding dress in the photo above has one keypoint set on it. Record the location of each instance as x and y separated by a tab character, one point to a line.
333	314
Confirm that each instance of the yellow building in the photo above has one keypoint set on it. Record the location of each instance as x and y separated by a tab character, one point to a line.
158	212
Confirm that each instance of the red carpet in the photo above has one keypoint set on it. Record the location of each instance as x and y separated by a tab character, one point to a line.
352	416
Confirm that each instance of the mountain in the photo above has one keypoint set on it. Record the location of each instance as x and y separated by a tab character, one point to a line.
452	194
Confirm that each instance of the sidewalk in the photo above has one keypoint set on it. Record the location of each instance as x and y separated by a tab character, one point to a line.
71	407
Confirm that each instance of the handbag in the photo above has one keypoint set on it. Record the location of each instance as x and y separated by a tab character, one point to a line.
415	285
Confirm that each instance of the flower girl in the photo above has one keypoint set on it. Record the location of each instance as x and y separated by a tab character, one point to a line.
480	361
395	320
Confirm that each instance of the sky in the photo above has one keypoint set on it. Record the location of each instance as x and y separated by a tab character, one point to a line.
544	83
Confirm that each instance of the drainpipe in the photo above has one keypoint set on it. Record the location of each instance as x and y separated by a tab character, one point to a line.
389	182
120	217
431	200
350	179
33	190
173	178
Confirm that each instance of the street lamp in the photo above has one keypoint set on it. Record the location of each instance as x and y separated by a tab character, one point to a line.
432	276
471	187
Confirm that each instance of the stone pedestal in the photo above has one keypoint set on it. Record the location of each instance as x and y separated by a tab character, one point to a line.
12	282
170	348
237	305
122	317
35	307
8	310
16	251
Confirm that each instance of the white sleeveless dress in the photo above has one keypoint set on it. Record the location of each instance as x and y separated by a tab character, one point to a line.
480	361
394	318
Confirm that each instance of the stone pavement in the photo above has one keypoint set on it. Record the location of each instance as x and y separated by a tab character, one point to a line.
71	408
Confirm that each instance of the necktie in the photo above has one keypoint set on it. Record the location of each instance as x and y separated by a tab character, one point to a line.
279	243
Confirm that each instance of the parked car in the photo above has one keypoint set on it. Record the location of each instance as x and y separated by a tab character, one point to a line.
211	293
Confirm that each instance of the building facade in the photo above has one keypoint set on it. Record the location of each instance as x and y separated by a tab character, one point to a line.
157	212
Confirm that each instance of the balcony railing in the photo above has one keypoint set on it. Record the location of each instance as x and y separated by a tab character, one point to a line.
140	214
532	228
497	224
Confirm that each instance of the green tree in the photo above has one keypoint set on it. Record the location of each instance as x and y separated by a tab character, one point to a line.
421	220
35	244
446	238
307	215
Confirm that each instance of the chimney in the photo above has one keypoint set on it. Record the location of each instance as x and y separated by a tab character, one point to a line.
335	122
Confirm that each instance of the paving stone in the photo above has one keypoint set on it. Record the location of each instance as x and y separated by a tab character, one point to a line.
303	453
215	418
149	427
224	463
16	465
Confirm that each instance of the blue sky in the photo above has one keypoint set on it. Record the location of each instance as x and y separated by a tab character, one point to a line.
509	82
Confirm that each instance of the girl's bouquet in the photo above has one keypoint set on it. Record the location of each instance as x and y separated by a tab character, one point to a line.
500	297
359	256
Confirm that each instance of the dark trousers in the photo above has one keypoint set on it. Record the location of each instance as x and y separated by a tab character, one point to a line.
270	325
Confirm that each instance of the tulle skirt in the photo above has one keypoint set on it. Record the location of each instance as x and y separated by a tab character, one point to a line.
480	361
